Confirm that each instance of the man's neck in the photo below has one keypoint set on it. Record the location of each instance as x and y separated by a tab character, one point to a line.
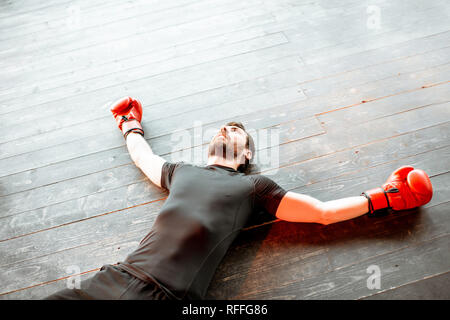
222	162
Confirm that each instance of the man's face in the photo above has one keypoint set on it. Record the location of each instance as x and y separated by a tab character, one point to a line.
229	143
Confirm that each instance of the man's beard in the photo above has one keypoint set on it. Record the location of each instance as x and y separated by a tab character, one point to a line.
222	149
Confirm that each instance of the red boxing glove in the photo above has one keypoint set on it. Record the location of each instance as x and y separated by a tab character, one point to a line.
406	188
128	114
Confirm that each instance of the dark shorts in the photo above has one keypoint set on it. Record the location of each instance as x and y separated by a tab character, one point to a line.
112	283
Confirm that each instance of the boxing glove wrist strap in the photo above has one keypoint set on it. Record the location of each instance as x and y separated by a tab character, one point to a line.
131	126
377	198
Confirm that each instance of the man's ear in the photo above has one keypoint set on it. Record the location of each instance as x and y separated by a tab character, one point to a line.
248	155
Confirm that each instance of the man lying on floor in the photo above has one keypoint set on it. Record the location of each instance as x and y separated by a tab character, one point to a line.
208	206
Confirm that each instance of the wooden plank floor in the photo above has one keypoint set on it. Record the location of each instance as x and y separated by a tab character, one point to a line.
349	90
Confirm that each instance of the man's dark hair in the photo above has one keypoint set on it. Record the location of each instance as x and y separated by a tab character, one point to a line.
246	167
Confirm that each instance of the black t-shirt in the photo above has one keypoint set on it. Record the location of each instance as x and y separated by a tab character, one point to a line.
204	212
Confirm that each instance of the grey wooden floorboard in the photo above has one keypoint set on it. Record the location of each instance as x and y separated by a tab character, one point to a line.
59	40
47	241
50	123
84	14
324	103
173	33
44	287
75	62
31	22
63	190
315	88
434	287
292	177
394	52
117	30
395	35
14	8
115	158
71	64
269	28
333	140
239	55
23	103
405	228
423	140
349	103
351	282
128	28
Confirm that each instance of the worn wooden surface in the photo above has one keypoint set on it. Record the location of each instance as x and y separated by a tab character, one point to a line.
348	97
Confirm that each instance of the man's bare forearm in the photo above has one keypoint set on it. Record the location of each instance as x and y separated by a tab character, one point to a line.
297	207
344	209
138	147
142	155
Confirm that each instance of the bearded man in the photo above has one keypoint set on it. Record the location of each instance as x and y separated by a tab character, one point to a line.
208	206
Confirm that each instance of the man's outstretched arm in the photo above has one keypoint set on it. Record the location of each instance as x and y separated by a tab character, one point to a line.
406	188
144	158
128	114
295	207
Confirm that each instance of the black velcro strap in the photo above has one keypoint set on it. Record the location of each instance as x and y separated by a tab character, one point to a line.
370	203
132	125
378	213
387	199
136	130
